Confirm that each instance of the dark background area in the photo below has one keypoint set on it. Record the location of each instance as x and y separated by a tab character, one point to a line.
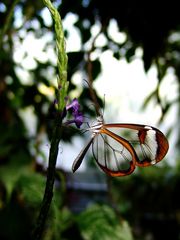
145	204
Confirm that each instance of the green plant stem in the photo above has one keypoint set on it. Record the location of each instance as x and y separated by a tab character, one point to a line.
48	194
56	136
61	54
7	23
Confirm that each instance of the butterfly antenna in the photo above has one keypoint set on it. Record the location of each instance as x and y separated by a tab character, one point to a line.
90	70
104	105
93	94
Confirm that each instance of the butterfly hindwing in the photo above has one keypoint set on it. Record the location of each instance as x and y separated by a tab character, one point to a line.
112	157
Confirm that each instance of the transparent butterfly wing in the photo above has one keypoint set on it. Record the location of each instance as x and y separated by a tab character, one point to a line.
149	143
118	148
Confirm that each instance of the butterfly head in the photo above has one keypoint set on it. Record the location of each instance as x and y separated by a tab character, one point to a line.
95	126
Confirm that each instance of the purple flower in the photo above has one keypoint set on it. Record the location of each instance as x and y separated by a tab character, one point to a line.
73	107
55	101
78	119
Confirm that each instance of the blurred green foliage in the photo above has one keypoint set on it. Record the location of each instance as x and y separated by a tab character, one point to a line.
99	222
148	201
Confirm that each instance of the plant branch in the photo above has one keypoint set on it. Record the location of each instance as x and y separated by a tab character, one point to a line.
57	130
48	194
7	21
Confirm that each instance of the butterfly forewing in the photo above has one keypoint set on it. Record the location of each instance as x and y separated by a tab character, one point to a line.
149	143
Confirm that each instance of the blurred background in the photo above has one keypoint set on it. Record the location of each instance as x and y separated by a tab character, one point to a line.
130	51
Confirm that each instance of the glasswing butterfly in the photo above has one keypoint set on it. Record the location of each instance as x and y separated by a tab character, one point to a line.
118	156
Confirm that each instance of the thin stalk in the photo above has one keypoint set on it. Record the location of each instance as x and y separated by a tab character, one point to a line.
57	129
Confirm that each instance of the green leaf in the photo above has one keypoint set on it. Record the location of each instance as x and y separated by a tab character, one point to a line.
9	176
101	222
130	54
96	70
117	55
31	186
23	179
